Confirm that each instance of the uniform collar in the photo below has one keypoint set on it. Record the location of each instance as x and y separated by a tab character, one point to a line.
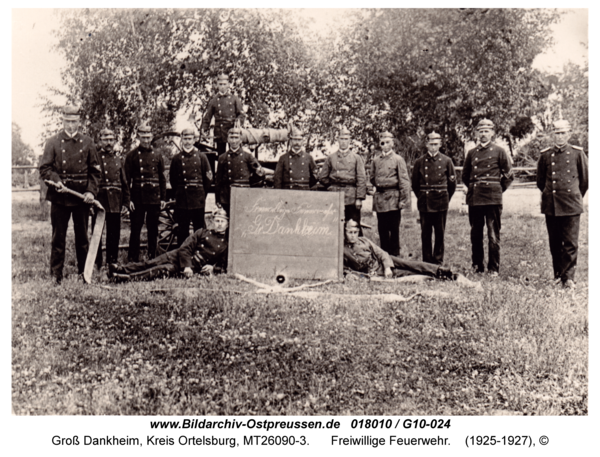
485	146
66	135
226	94
144	149
387	154
344	152
293	153
236	152
429	156
562	148
108	151
188	152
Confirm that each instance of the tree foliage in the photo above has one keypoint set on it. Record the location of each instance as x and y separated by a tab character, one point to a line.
22	154
403	70
127	66
449	67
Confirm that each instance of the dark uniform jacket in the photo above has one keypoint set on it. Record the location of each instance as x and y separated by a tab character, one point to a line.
114	191
390	178
562	176
295	171
366	257
486	173
212	246
72	161
226	109
190	176
433	182
234	169
145	173
345	172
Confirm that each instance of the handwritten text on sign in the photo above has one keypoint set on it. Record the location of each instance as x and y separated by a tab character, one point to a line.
277	219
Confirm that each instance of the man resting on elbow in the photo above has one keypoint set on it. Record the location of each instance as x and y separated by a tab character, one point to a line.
204	252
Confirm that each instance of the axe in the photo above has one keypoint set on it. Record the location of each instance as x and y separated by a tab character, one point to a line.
96	233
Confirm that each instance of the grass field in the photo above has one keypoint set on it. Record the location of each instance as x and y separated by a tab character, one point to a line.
213	346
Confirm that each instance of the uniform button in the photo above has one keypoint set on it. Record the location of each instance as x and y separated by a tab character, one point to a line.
107	180
553	182
552	163
552	155
568	152
553	191
568	190
567	162
64	161
568	180
63	150
475	168
568	171
553	172
488	166
425	168
475	158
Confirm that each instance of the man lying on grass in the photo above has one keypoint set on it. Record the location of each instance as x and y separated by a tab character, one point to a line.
362	256
203	252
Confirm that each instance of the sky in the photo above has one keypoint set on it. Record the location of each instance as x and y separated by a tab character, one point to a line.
36	66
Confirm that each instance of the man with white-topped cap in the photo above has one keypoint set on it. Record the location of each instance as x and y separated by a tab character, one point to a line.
487	173
562	177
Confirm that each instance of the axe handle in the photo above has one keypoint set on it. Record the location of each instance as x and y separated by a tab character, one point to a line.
72	192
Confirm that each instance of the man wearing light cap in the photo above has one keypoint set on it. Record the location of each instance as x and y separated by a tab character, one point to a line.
344	171
390	178
562	176
361	255
204	252
113	196
190	176
296	168
234	169
226	108
434	183
145	172
487	174
71	161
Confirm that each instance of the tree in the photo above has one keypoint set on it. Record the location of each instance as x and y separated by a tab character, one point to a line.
413	67
22	154
125	66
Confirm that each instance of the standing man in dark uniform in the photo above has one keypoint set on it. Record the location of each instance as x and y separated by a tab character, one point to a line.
434	183
145	173
344	171
190	177
226	108
487	174
390	178
562	176
234	169
296	168
70	160
113	196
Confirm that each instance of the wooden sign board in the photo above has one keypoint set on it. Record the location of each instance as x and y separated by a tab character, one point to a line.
295	233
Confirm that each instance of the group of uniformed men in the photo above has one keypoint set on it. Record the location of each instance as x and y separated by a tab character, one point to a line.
71	161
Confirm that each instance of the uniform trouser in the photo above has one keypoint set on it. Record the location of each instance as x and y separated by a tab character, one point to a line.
157	267
412	267
113	235
480	216
563	234
59	217
352	212
433	223
388	225
150	213
183	218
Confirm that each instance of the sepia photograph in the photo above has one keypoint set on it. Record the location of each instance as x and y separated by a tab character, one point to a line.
299	212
